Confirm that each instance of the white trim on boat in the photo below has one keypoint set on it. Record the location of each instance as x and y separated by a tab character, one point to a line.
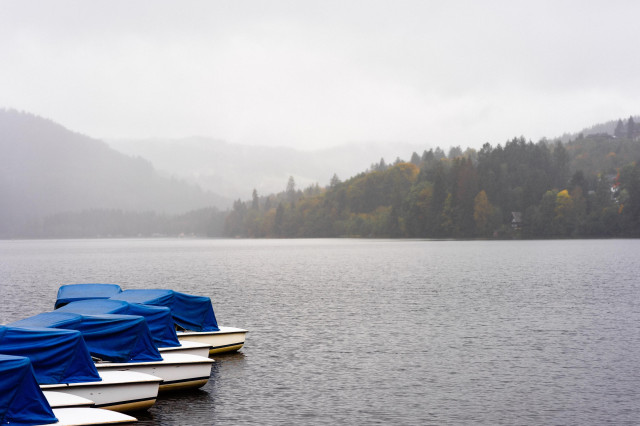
188	347
89	416
66	400
118	390
228	339
178	371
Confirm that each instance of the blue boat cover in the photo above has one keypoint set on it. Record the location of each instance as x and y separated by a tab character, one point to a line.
72	292
21	400
57	356
158	318
115	338
189	312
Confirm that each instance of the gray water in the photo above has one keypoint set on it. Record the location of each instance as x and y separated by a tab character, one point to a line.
379	331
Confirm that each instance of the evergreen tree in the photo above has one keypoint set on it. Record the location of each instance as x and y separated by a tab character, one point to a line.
578	181
255	201
428	158
543	219
619	132
438	154
438	201
278	221
335	181
464	190
415	158
630	203
631	128
291	189
454	152
560	165
382	165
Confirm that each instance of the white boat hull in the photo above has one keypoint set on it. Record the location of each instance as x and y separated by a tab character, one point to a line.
189	348
118	391
228	339
89	416
66	400
177	371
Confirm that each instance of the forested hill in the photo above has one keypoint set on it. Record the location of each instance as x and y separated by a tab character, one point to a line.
614	127
46	169
589	187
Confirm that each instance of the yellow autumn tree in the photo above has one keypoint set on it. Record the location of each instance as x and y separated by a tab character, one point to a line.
483	211
564	204
564	214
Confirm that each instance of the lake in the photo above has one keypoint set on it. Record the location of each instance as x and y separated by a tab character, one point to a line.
380	331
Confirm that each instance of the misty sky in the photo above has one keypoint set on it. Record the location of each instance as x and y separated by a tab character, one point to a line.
310	74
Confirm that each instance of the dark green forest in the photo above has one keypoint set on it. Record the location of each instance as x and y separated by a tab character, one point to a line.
588	187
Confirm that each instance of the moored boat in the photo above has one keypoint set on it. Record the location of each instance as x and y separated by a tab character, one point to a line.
226	339
123	342
22	402
123	391
61	362
158	318
75	292
109	337
178	371
193	315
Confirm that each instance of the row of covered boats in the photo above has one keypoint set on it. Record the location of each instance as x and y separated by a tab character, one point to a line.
104	352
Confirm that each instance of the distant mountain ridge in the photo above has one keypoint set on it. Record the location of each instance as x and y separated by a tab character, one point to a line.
234	170
46	169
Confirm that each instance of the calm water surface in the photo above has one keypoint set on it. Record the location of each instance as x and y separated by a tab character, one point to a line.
381	332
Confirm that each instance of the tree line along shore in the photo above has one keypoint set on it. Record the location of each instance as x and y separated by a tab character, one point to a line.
588	187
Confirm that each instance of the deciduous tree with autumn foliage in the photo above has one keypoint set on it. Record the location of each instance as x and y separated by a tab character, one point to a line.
588	187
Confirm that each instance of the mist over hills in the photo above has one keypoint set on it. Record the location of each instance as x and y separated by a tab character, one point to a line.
234	170
46	169
608	127
58	183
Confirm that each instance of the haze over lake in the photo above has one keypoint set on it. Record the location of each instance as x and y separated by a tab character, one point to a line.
381	331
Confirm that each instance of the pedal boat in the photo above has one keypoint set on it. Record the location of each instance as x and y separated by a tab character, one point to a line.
124	343
61	362
158	319
22	402
193	316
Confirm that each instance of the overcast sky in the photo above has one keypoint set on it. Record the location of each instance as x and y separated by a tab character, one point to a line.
310	74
